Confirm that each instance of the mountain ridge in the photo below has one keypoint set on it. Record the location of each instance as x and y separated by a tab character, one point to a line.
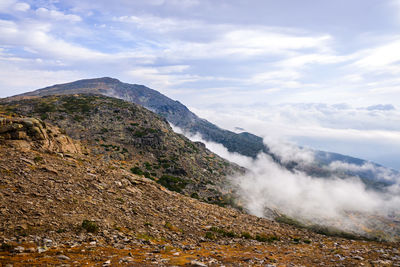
179	115
174	111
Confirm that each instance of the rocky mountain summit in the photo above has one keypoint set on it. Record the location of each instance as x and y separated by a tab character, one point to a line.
70	201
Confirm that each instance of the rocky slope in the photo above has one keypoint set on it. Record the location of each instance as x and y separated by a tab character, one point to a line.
139	140
244	143
62	202
175	112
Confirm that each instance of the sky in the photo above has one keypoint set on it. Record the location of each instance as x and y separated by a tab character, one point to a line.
323	74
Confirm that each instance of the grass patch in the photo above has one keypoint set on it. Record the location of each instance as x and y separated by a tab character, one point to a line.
145	236
223	232
321	229
332	231
171	227
266	238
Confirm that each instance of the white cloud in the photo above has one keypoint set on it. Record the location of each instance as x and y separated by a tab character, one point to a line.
37	36
158	24
380	172
217	148
23	7
360	132
20	80
57	15
259	41
161	77
5	5
327	201
382	58
313	200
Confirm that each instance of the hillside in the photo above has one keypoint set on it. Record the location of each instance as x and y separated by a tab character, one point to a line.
136	139
175	112
244	143
67	201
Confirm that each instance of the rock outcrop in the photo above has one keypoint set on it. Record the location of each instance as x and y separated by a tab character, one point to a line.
31	133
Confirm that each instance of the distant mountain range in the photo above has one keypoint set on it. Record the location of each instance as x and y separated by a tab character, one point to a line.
244	143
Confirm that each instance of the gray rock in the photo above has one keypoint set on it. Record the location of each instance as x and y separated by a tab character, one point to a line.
358	258
41	249
197	263
47	242
107	263
19	249
63	257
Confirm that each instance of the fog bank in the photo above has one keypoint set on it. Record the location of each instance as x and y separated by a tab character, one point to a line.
327	201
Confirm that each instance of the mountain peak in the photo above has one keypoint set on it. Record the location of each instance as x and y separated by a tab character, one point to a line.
102	79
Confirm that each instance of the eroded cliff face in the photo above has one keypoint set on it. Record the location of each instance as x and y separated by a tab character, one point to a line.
30	133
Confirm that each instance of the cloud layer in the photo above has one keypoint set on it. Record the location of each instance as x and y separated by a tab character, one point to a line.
229	50
228	54
371	132
328	201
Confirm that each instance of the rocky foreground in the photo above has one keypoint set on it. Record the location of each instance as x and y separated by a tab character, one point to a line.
60	205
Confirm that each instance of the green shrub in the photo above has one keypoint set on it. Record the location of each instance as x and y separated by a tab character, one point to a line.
166	165
172	183
45	107
78	118
148	166
78	104
139	133
37	159
223	232
136	170
6	247
194	195
90	226
290	221
246	235
331	231
210	235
